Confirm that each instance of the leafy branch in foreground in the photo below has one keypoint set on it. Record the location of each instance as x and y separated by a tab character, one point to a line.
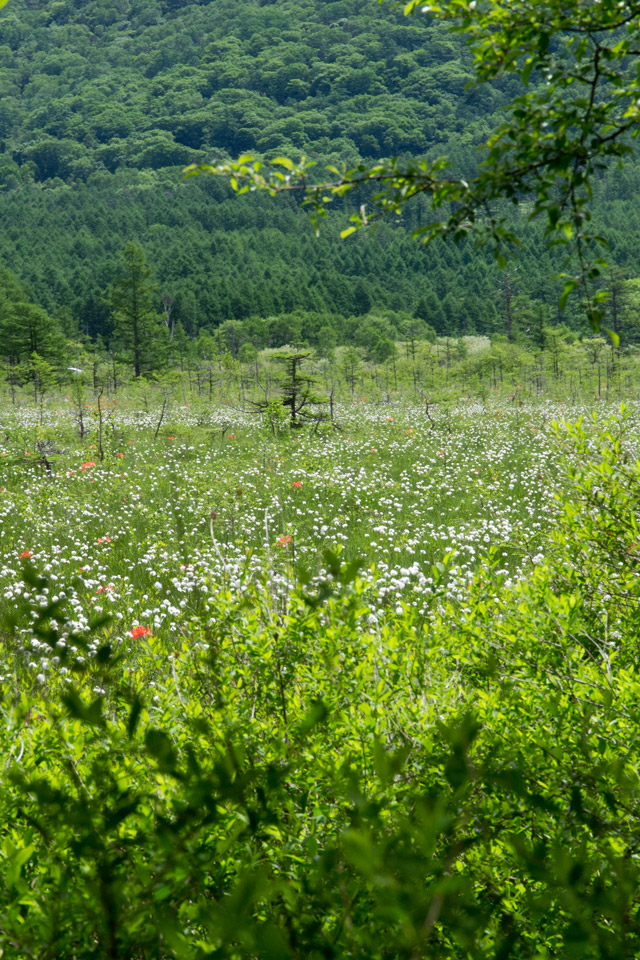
579	112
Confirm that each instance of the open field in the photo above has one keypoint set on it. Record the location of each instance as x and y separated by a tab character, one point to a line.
223	738
136	528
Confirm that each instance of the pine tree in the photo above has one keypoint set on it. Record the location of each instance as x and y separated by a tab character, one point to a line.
131	301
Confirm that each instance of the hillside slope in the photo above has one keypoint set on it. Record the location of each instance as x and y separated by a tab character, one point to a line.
104	103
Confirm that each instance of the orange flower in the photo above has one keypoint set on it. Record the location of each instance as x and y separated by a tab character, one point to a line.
26	554
284	541
141	632
104	539
297	483
87	464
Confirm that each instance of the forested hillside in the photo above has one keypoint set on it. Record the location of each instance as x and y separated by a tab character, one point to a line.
104	103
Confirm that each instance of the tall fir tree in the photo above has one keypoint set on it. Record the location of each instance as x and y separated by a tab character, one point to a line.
136	323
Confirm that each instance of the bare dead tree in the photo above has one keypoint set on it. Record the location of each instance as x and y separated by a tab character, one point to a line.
168	303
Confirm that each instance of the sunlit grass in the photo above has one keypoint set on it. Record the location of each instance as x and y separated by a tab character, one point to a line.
146	533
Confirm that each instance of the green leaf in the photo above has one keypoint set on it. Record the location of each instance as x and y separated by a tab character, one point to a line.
569	287
103	655
134	717
314	716
284	162
87	713
160	747
526	73
613	336
20	857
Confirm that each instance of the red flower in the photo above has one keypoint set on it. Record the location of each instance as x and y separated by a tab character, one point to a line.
88	463
284	541
104	539
26	554
141	632
297	483
119	454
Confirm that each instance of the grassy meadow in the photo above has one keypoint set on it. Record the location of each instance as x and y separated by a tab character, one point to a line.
159	520
361	689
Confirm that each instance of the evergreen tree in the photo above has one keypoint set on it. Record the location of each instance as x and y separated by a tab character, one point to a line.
433	313
361	300
26	329
131	301
422	311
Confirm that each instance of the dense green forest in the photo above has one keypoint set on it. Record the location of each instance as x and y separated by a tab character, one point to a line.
105	103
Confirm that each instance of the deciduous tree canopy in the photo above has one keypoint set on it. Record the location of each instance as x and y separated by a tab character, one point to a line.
104	105
577	111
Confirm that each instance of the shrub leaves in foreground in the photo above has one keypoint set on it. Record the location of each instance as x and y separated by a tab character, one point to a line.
314	787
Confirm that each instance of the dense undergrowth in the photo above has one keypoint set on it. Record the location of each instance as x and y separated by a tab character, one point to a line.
313	773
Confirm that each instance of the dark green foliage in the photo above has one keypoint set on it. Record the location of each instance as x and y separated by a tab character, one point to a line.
26	329
215	257
103	108
137	329
229	77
